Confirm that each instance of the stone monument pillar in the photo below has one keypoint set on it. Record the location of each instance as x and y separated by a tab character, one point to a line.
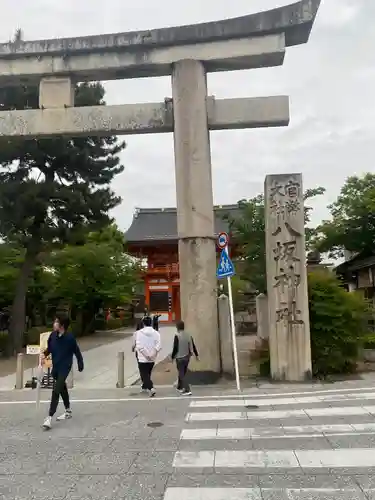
288	307
195	219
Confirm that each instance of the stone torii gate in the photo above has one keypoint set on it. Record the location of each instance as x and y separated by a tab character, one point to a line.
186	53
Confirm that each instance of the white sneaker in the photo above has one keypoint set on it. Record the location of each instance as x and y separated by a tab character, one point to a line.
152	393
47	424
186	393
65	416
142	391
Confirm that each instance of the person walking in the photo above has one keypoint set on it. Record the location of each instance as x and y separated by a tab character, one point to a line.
183	349
146	345
61	346
140	325
155	322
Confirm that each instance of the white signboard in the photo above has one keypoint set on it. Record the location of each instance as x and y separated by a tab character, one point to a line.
34	350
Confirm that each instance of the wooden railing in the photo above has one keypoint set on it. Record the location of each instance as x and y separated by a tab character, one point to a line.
163	269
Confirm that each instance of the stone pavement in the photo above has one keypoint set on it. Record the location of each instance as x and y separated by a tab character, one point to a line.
298	442
101	364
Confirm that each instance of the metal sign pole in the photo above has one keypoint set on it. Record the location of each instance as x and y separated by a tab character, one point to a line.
233	328
39	381
226	270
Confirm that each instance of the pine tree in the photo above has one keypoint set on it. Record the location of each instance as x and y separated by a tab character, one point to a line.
52	190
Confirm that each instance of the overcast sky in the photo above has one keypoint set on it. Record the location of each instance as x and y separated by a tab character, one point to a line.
330	81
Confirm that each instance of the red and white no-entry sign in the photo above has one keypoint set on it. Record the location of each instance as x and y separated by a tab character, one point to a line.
222	240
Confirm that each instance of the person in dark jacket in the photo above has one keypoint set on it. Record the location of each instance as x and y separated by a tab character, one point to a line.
155	321
183	349
62	345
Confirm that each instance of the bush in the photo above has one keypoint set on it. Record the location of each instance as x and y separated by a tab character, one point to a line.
32	336
114	324
100	323
261	356
338	325
370	342
127	320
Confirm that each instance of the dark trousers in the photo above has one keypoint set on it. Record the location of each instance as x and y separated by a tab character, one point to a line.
182	368
59	389
145	370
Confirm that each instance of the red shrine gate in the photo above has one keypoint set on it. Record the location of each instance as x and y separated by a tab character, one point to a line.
153	236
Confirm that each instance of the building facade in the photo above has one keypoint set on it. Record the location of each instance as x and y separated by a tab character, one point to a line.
153	238
358	274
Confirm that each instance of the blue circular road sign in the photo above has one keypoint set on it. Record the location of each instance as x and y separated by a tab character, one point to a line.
222	240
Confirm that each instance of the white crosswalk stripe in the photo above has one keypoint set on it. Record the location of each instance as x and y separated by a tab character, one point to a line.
265	493
320	446
297	431
282	414
224	403
276	459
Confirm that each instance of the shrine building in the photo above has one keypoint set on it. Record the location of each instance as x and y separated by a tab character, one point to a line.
153	238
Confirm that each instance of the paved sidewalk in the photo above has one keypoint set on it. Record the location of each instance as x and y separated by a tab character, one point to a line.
101	364
292	442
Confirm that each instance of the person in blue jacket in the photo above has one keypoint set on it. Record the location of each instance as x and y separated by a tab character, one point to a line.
62	345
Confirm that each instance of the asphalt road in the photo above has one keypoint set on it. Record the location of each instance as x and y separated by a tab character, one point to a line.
279	443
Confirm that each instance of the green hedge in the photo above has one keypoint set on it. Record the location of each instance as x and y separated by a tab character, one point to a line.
114	324
338	325
370	342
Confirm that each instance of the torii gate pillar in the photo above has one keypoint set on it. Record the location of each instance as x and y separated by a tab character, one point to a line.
195	221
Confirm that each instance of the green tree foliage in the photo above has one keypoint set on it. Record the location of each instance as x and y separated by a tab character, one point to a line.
338	324
109	235
82	278
352	224
42	282
10	260
249	236
94	275
52	190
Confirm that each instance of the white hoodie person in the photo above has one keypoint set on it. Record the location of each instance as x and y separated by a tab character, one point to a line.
146	344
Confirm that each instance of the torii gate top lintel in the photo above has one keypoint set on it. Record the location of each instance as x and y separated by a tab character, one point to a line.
275	21
253	41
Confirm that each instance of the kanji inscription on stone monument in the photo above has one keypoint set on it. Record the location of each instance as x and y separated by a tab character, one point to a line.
286	278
